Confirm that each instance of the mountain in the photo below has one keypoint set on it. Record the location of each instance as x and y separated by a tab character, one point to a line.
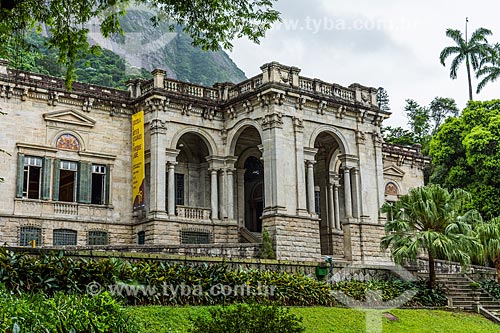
142	48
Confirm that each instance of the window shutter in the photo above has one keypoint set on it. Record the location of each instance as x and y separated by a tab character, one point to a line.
84	182
20	175
55	181
107	187
46	169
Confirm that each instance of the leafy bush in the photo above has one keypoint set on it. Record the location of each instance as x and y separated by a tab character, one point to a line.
492	287
154	282
62	313
394	288
246	318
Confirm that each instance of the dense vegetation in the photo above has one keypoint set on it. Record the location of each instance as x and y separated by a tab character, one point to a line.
28	313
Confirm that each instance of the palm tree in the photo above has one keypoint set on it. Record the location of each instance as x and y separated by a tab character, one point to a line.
472	51
489	236
489	68
434	221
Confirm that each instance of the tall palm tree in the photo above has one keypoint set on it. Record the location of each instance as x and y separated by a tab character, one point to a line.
489	68
472	51
489	236
433	221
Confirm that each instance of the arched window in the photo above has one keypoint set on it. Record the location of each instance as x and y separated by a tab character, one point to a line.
28	234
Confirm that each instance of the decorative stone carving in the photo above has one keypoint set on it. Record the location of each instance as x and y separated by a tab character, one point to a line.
377	139
272	120
231	112
279	98
208	113
377	120
186	109
87	104
158	126
391	189
157	104
284	76
300	102
298	124
7	91
360	117
341	111
53	98
68	142
24	96
247	105
365	97
322	107
360	137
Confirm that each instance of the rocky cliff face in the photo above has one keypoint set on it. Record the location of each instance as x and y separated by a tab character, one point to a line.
147	46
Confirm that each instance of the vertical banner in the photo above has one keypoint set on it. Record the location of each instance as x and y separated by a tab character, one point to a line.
138	193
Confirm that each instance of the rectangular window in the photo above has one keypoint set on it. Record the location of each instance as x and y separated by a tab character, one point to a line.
32	179
97	238
179	189
141	237
28	234
98	184
317	202
67	181
62	237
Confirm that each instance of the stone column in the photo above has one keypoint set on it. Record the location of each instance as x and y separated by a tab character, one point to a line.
230	194
356	205
171	188
241	196
214	194
331	208
347	193
310	187
336	205
222	194
157	175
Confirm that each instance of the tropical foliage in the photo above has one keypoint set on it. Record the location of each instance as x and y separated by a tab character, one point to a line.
489	236
465	154
28	313
433	221
211	24
472	51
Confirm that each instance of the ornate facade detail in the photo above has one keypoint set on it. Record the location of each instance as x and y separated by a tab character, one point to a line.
88	102
360	137
186	109
24	96
272	120
247	106
391	189
300	102
365	97
322	107
209	113
377	139
298	124
158	126
68	142
53	98
279	98
7	91
360	117
377	120
341	111
157	104
231	112
284	76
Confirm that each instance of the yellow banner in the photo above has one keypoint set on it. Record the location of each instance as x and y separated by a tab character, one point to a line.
138	182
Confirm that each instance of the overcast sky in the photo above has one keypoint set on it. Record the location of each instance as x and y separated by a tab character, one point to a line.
390	43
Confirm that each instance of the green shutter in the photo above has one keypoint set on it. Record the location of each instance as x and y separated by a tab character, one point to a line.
84	182
107	187
46	169
56	178
20	175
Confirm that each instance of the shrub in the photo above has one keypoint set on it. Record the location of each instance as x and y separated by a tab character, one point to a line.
267	246
28	313
492	287
244	318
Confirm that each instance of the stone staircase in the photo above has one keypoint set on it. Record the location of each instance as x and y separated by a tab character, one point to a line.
248	236
464	293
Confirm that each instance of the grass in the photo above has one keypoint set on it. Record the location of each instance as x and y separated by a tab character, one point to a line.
158	319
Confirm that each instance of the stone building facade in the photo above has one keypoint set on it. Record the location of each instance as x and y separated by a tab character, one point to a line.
299	157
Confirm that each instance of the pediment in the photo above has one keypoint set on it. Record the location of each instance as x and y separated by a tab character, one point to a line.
69	117
394	171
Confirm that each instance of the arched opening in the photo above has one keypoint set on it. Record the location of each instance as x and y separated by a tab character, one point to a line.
191	178
249	180
254	194
328	193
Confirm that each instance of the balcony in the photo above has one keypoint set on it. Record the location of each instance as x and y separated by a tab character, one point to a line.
193	213
57	209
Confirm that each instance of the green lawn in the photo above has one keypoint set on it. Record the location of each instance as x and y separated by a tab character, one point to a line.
157	319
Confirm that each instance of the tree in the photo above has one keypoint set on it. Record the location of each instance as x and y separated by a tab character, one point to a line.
418	120
211	24
433	221
398	136
472	51
489	236
383	99
466	154
440	109
490	68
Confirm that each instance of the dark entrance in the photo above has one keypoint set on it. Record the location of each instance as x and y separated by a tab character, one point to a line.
254	194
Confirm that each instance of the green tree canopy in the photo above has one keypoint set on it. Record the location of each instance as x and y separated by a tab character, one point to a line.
211	24
489	236
466	154
383	99
433	221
